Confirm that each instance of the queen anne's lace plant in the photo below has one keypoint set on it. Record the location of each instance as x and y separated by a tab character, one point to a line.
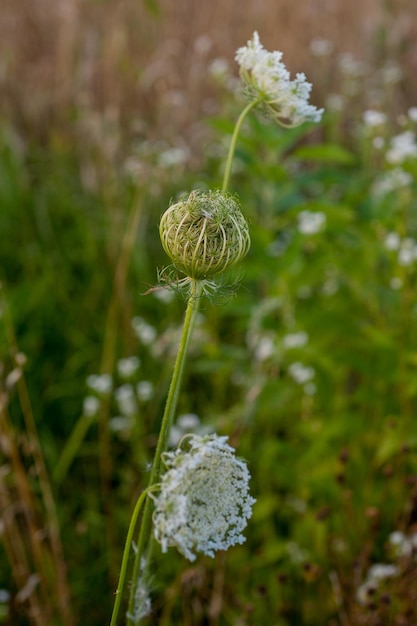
267	80
204	501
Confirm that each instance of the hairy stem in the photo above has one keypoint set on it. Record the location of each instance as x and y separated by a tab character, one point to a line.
167	419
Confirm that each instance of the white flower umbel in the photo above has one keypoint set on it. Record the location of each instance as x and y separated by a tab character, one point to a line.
204	501
267	80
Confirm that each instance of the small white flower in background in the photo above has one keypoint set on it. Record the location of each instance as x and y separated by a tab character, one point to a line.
378	143
295	340
301	373
373	118
91	405
412	114
335	102
407	253
391	181
396	283
204	501
311	222
144	390
128	366
391	73
143	331
186	424
392	241
100	383
350	66
174	156
321	47
402	147
404	546
126	400
164	295
266	79
265	347
122	425
376	574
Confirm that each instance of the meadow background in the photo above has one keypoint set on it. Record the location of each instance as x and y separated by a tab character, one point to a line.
110	109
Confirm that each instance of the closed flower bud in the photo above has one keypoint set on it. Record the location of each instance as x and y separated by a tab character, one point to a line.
204	234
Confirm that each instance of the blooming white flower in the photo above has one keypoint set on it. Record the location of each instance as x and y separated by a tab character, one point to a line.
311	222
267	80
204	501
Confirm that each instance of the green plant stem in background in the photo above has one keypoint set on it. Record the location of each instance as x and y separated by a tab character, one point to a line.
170	407
232	148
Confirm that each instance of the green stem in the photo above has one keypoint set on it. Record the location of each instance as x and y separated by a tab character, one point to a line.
126	552
232	148
167	419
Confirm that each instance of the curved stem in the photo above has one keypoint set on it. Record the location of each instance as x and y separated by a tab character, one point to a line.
123	567
232	147
167	419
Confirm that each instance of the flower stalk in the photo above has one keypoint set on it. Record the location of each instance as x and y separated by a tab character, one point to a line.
167	420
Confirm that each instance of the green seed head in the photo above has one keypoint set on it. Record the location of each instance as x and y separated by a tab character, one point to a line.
204	234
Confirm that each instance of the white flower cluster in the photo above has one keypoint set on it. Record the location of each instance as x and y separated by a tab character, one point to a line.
204	501
267	79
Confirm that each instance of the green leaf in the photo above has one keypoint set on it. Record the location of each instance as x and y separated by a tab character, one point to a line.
327	153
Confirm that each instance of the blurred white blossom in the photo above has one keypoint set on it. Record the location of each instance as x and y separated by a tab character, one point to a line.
311	222
143	331
392	241
412	114
100	383
321	47
391	181
91	405
144	390
407	253
126	400
266	79
295	340
372	118
128	366
375	575
301	373
188	423
402	147
204	501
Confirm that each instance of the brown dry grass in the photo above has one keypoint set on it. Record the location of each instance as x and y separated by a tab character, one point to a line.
60	56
